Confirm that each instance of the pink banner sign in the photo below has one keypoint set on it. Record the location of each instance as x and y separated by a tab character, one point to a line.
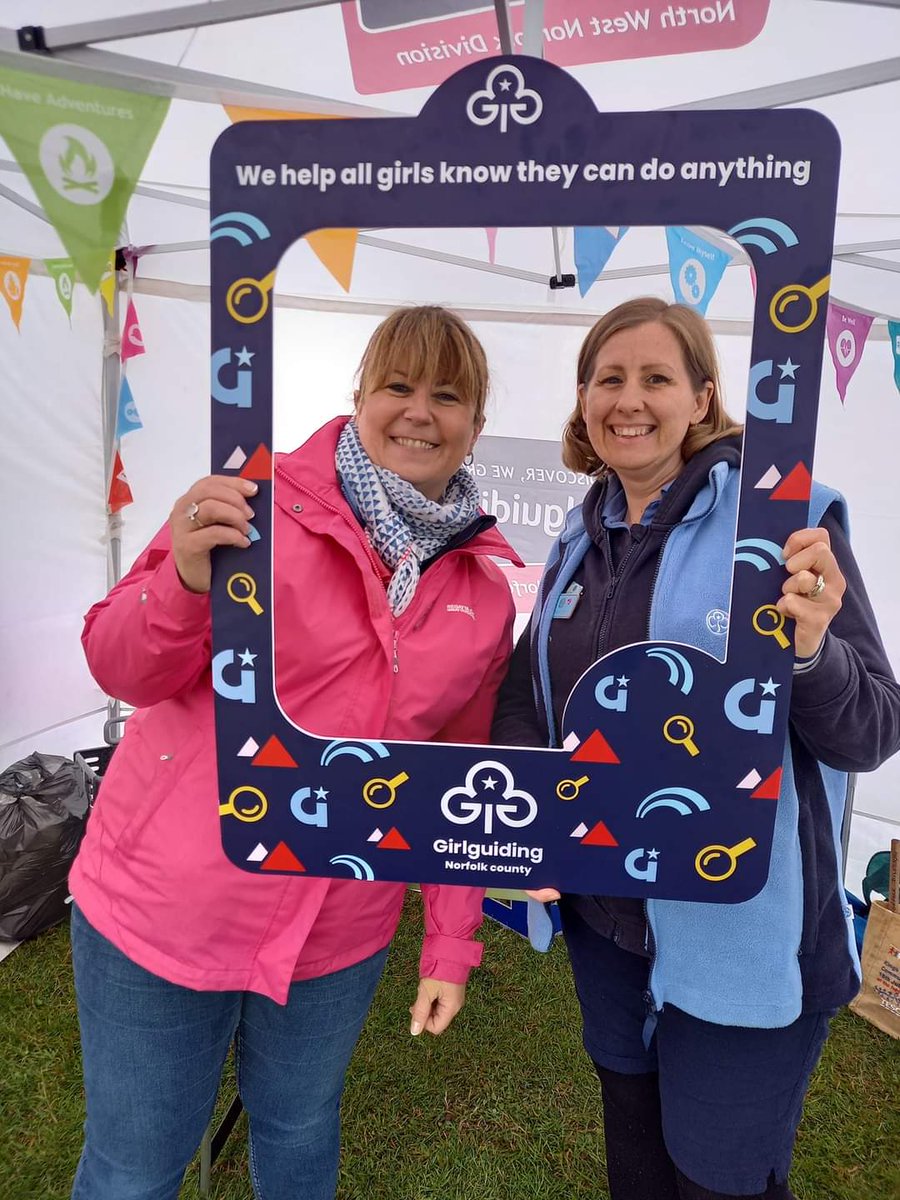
846	332
390	50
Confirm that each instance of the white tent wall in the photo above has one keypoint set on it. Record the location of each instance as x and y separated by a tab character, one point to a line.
53	541
52	457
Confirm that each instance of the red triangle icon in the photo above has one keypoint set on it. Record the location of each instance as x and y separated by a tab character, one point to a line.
282	858
595	749
599	835
796	485
258	465
769	788
273	754
393	840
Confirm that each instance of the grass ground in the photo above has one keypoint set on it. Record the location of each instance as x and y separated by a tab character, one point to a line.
503	1107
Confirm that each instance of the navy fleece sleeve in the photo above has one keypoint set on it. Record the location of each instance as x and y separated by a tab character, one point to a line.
846	708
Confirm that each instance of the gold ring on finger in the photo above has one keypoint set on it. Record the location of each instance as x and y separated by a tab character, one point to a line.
817	589
192	510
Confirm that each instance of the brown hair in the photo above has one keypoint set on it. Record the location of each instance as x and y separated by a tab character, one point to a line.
428	342
699	351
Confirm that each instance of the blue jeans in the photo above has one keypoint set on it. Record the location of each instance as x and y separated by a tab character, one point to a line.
153	1053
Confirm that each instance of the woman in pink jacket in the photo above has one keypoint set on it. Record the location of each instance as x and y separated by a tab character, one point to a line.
383	559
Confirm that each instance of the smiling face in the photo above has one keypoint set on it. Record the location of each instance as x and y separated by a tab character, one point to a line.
638	403
422	431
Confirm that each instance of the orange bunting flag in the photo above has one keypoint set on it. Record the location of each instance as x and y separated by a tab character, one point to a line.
237	113
119	491
13	278
335	250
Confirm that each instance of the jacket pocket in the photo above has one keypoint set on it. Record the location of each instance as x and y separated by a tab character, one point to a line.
152	768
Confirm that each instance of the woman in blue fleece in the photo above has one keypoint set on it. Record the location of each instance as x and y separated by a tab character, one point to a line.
732	1001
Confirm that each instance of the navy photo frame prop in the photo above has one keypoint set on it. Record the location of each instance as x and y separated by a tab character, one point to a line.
667	782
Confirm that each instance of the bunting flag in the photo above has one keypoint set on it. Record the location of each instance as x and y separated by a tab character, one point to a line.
334	248
238	113
62	272
132	338
894	335
593	246
13	278
82	149
846	332
491	232
127	416
119	491
109	282
696	267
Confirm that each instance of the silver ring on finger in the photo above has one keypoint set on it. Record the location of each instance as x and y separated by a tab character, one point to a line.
817	589
192	510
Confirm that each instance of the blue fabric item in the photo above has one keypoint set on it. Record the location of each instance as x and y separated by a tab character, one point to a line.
696	267
127	416
731	1097
593	246
540	925
736	964
153	1053
860	916
615	505
730	964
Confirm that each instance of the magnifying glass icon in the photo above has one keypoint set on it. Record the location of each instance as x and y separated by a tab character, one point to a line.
680	732
248	811
568	789
792	294
245	581
258	307
375	791
777	630
717	863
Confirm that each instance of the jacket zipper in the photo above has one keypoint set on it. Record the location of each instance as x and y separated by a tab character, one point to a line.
611	591
357	530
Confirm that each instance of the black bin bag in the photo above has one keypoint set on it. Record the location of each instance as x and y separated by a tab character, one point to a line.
43	808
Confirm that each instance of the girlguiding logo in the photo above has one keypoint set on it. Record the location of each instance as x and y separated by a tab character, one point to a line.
506	97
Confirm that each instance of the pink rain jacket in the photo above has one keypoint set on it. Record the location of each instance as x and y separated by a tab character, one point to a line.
151	875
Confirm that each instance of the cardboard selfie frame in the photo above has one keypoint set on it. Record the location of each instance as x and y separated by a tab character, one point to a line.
667	781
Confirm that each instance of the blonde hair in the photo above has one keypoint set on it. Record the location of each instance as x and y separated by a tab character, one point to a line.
427	342
699	353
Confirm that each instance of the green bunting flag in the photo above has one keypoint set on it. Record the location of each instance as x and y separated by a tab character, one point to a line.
62	272
82	149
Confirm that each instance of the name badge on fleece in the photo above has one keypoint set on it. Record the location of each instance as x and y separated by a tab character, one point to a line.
568	602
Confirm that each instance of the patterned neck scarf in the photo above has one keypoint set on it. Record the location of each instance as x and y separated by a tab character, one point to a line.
404	526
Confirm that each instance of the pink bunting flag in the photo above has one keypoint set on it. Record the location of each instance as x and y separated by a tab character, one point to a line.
491	232
846	331
132	338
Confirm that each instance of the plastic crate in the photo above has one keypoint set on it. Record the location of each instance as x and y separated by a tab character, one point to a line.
92	764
